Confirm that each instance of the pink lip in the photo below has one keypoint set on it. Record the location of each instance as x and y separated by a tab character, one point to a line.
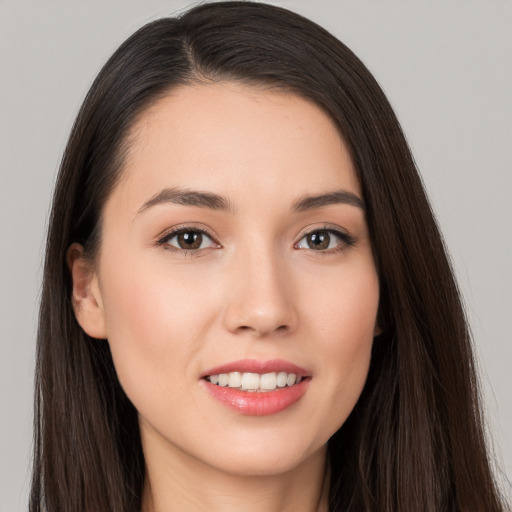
258	403
255	366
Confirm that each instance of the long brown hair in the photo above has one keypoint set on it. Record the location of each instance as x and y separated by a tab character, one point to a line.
414	441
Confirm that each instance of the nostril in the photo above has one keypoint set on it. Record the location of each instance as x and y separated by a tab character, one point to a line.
262	330
259	317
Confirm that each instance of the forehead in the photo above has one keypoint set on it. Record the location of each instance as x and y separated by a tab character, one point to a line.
231	138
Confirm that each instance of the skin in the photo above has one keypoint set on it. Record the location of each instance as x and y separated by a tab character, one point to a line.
258	290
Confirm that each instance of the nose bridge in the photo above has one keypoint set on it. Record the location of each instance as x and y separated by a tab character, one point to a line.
260	298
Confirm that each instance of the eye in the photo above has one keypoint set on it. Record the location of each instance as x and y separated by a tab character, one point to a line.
325	240
188	239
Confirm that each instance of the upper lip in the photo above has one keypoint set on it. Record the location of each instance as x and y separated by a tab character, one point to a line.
257	366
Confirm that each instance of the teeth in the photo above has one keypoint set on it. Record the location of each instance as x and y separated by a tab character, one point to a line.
281	379
268	381
235	380
250	381
254	381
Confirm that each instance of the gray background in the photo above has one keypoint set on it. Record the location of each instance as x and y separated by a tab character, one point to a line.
446	66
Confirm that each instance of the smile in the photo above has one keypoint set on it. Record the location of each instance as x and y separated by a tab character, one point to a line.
253	381
257	388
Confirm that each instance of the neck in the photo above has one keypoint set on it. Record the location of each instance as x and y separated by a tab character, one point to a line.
175	481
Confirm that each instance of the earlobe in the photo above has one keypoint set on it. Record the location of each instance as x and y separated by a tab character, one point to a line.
86	295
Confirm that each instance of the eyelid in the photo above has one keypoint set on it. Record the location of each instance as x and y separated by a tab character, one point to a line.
347	240
170	233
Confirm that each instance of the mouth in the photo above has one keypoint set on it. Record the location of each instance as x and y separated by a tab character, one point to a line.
255	382
257	388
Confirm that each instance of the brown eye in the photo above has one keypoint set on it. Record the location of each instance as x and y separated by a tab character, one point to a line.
318	241
325	240
188	240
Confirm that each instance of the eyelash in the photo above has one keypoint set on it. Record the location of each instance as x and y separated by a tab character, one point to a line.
346	240
164	241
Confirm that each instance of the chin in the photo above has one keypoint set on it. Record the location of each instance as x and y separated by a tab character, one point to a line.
268	458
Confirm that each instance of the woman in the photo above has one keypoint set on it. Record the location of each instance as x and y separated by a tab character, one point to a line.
247	303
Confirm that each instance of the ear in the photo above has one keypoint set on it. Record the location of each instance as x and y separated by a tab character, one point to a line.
381	322
86	296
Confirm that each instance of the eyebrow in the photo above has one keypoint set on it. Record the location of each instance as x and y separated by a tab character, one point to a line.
213	201
188	197
321	200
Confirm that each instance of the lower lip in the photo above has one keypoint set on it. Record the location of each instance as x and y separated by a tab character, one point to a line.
254	403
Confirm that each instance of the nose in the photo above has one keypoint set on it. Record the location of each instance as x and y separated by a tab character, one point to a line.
260	296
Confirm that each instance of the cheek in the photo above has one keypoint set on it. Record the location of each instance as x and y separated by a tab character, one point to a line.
345	323
150	326
352	327
344	310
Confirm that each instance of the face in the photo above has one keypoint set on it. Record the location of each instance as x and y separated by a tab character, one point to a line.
235	245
